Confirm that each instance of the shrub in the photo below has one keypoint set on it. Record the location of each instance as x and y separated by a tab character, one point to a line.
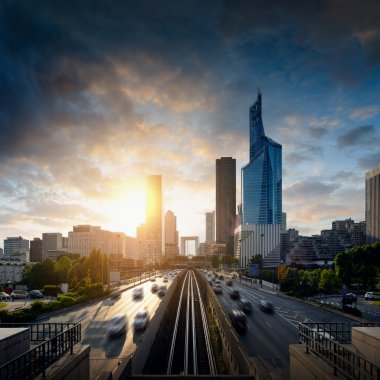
51	290
80	299
37	306
53	305
66	300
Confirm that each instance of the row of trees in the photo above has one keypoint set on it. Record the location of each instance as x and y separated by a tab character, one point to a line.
69	269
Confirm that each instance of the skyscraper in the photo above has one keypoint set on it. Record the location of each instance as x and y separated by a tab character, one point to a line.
171	235
262	176
210	227
154	220
372	204
226	202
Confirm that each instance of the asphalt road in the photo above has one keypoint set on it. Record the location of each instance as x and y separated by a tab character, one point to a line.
268	335
106	352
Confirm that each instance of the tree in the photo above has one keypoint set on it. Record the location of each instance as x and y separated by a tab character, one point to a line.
215	261
257	259
63	266
329	281
227	260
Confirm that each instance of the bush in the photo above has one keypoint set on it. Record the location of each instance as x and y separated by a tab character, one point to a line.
51	290
53	305
37	306
80	299
91	291
66	300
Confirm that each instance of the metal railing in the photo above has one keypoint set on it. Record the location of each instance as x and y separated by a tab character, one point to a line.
35	361
326	341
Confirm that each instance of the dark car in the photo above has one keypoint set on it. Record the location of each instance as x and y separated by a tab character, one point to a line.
234	294
217	289
349	299
229	283
245	306
238	320
266	306
221	277
35	294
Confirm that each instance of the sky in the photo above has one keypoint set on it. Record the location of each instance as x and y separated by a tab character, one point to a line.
95	95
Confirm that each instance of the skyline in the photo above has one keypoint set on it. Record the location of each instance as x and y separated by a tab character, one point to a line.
96	98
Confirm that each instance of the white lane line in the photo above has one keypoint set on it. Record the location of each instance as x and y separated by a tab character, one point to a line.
268	324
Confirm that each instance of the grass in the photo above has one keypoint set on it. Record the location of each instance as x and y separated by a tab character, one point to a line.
2	304
377	303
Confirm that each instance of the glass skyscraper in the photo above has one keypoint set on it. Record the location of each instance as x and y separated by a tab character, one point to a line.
262	176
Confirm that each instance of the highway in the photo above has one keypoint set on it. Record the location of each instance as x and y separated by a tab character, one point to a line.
269	334
106	352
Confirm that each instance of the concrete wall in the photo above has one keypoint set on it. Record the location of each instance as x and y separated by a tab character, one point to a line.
367	341
13	342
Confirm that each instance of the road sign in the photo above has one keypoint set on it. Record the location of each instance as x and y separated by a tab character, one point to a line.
253	270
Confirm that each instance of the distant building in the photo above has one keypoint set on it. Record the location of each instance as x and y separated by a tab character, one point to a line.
154	228
171	235
11	272
184	240
51	241
15	244
283	222
372	204
36	250
226	202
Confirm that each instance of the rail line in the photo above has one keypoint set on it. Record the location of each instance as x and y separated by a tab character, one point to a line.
190	349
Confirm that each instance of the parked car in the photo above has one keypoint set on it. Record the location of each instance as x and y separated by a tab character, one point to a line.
161	290
35	294
234	294
238	320
141	320
349	299
19	294
245	306
138	293
117	325
369	296
4	296
266	306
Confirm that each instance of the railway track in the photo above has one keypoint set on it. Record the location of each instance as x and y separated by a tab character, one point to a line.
190	349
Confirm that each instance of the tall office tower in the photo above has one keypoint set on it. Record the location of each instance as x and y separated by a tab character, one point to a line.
210	227
171	235
226	202
154	220
14	245
36	250
372	204
262	176
51	241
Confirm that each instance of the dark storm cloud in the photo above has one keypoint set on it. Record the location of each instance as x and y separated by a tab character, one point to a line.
364	134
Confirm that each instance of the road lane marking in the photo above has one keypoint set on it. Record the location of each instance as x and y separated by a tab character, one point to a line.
268	324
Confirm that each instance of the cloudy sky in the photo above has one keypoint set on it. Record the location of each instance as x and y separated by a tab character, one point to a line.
94	95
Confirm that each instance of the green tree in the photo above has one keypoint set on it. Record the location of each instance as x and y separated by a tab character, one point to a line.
227	260
63	267
329	281
257	259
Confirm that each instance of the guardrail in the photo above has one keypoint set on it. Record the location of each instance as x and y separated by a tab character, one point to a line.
325	340
35	361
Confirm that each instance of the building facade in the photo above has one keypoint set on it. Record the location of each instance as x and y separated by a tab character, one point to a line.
210	227
372	204
14	245
36	250
51	241
261	179
225	202
154	226
171	235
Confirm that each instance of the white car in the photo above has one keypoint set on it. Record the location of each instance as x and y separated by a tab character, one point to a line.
20	294
369	296
4	296
117	325
138	293
141	320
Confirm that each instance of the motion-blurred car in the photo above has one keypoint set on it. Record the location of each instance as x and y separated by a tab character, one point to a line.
245	306
217	289
154	288
153	279
161	291
238	320
229	283
19	294
234	294
221	277
165	279
141	320
4	296
138	293
369	296
266	306
35	294
117	325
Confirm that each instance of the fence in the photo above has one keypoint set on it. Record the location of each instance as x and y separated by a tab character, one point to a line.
34	362
325	340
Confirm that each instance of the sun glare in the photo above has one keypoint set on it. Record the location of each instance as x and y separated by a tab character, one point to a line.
127	210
